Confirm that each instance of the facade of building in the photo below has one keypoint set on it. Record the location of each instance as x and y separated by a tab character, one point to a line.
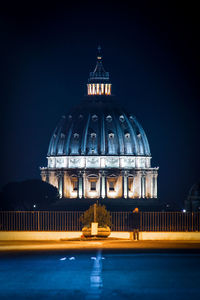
99	150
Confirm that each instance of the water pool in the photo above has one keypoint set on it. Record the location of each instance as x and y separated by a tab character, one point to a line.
99	275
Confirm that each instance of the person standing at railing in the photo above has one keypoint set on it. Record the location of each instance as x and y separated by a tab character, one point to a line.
134	219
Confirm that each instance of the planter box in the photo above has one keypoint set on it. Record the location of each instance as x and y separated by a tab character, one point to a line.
102	232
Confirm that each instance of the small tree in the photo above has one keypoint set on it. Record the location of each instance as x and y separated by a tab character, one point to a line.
103	216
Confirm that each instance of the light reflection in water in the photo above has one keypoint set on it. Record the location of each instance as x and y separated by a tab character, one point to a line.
96	282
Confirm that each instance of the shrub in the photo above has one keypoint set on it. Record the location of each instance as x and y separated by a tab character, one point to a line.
103	216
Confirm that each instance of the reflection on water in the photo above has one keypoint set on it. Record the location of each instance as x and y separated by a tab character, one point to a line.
83	275
96	282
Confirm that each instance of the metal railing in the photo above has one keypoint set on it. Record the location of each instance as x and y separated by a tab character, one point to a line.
169	221
40	221
121	221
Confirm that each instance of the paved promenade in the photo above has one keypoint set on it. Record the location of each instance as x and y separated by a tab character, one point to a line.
97	244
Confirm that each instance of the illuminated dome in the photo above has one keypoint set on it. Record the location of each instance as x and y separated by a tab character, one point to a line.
99	150
99	126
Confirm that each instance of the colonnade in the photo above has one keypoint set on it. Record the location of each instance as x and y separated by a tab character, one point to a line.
78	184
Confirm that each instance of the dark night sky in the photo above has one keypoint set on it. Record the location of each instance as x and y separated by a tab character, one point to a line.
152	53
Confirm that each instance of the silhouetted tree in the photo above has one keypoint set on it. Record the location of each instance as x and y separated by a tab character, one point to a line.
103	216
28	195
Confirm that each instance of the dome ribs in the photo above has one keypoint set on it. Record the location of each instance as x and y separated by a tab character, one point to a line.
84	137
112	141
103	142
144	138
133	136
55	138
119	136
69	137
99	118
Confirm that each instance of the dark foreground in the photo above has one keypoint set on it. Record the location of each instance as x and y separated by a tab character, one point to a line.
101	274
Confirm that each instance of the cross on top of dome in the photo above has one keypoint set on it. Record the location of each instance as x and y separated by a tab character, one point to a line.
99	56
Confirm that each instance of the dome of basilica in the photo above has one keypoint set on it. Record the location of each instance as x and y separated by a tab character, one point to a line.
99	150
99	126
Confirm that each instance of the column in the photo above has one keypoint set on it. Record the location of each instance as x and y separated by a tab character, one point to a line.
143	186
83	184
155	186
60	184
142	189
128	195
102	185
105	185
152	185
133	186
153	181
125	185
80	185
139	184
122	175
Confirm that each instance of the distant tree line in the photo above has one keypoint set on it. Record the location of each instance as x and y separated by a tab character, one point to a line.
31	194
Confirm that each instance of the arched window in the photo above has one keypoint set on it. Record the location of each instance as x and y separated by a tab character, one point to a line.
109	118
76	135
93	135
111	135
94	118
121	118
127	135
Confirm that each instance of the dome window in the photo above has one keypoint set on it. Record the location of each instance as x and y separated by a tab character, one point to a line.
80	116
139	135
121	118
111	135
93	135
94	118
62	135
109	118
131	118
127	135
76	135
70	117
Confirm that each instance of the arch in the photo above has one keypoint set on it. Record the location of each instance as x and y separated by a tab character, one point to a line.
93	176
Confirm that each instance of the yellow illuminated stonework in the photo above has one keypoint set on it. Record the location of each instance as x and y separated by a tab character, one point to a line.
99	89
103	184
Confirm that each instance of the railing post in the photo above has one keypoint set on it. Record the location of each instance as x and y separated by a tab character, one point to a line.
38	217
95	212
192	221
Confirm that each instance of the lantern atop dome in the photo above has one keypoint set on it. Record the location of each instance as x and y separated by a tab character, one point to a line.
99	81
